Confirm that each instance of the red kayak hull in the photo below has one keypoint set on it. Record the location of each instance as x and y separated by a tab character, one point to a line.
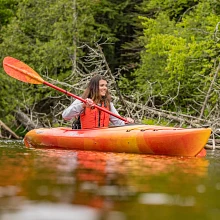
141	139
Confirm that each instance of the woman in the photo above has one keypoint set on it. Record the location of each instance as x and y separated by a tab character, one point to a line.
91	117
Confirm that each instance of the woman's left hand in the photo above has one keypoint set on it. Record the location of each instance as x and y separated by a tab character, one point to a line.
130	120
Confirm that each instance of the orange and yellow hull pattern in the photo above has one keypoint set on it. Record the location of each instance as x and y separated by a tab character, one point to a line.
141	139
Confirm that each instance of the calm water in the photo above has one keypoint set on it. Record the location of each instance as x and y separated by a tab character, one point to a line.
48	184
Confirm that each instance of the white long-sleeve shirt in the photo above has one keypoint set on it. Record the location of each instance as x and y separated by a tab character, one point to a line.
76	108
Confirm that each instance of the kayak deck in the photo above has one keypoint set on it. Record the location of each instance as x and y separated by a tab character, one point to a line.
141	139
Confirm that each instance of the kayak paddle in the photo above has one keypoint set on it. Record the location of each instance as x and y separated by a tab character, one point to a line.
21	71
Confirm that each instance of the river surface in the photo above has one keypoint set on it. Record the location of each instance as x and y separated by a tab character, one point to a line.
51	184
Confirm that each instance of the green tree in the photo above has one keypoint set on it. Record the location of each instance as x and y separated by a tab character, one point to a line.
179	56
7	11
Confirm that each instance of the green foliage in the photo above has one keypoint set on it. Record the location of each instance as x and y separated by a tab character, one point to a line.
180	42
10	91
45	34
179	56
119	17
161	122
174	9
7	11
20	131
48	34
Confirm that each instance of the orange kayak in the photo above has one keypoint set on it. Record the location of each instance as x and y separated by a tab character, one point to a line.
141	139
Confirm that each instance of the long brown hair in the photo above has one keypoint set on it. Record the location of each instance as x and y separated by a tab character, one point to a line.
92	91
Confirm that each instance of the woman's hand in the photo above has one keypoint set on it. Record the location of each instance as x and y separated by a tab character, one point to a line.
130	120
89	103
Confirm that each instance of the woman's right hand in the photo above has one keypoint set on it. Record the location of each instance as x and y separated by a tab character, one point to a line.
130	120
89	103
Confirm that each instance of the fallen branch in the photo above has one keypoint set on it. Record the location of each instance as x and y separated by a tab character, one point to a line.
27	122
210	147
8	130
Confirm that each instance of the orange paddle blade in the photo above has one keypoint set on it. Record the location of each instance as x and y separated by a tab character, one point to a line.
19	70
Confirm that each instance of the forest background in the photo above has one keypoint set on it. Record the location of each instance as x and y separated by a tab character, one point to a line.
162	58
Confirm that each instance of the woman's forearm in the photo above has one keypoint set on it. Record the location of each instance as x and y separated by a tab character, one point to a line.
73	110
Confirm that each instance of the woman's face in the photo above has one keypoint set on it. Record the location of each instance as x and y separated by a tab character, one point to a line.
102	87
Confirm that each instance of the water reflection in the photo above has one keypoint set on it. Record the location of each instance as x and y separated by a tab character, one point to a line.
96	185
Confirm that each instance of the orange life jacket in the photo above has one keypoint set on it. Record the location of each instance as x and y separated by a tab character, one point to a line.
93	118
